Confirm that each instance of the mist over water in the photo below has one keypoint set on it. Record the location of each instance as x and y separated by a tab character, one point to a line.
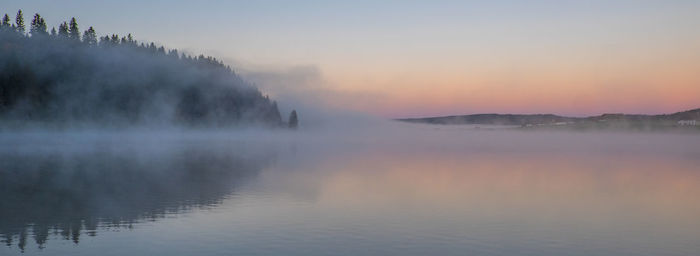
113	146
375	188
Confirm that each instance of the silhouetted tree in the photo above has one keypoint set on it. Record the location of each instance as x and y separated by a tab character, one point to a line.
73	31
130	39
104	40
53	31
90	37
293	120
19	22
63	30
173	53
115	39
38	26
5	22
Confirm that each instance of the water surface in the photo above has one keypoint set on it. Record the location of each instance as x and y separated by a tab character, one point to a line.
427	192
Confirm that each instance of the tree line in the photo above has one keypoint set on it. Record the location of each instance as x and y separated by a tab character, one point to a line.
69	30
62	76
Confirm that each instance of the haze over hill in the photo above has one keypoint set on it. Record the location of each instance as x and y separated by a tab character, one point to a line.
605	121
70	77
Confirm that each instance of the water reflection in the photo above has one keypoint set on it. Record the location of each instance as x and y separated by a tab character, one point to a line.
68	192
479	193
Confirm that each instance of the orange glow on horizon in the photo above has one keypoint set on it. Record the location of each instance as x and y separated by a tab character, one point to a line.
653	85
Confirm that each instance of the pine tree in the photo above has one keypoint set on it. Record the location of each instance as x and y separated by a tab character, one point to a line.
53	31
131	40
90	37
104	40
5	22
173	54
42	26
293	120
73	31
19	22
38	26
63	30
33	27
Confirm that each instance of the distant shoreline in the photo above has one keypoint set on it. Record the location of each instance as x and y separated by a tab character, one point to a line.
685	120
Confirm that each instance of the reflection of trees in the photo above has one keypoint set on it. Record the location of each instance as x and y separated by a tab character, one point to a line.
69	194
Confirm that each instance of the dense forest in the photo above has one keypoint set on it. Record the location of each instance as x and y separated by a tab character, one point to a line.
64	77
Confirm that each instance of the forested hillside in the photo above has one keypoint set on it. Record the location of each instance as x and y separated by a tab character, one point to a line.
64	77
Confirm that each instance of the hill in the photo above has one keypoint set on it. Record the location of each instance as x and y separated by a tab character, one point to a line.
682	120
66	77
492	119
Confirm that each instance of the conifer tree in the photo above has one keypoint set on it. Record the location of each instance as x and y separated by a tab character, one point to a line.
104	40
130	39
38	26
90	37
33	27
5	22
63	30
173	53
53	31
73	31
19	22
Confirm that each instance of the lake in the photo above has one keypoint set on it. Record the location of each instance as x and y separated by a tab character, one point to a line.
417	191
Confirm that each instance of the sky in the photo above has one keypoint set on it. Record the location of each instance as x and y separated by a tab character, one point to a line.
426	58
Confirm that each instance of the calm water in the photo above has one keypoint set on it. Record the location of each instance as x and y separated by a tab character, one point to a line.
425	192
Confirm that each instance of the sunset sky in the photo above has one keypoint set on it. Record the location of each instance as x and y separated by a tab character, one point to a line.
420	58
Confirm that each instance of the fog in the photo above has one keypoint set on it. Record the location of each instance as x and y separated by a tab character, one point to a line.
62	82
82	182
118	137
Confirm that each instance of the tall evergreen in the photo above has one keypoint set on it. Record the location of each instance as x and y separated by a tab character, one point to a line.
115	39
90	37
38	26
19	22
73	31
63	30
34	26
53	31
130	40
5	22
